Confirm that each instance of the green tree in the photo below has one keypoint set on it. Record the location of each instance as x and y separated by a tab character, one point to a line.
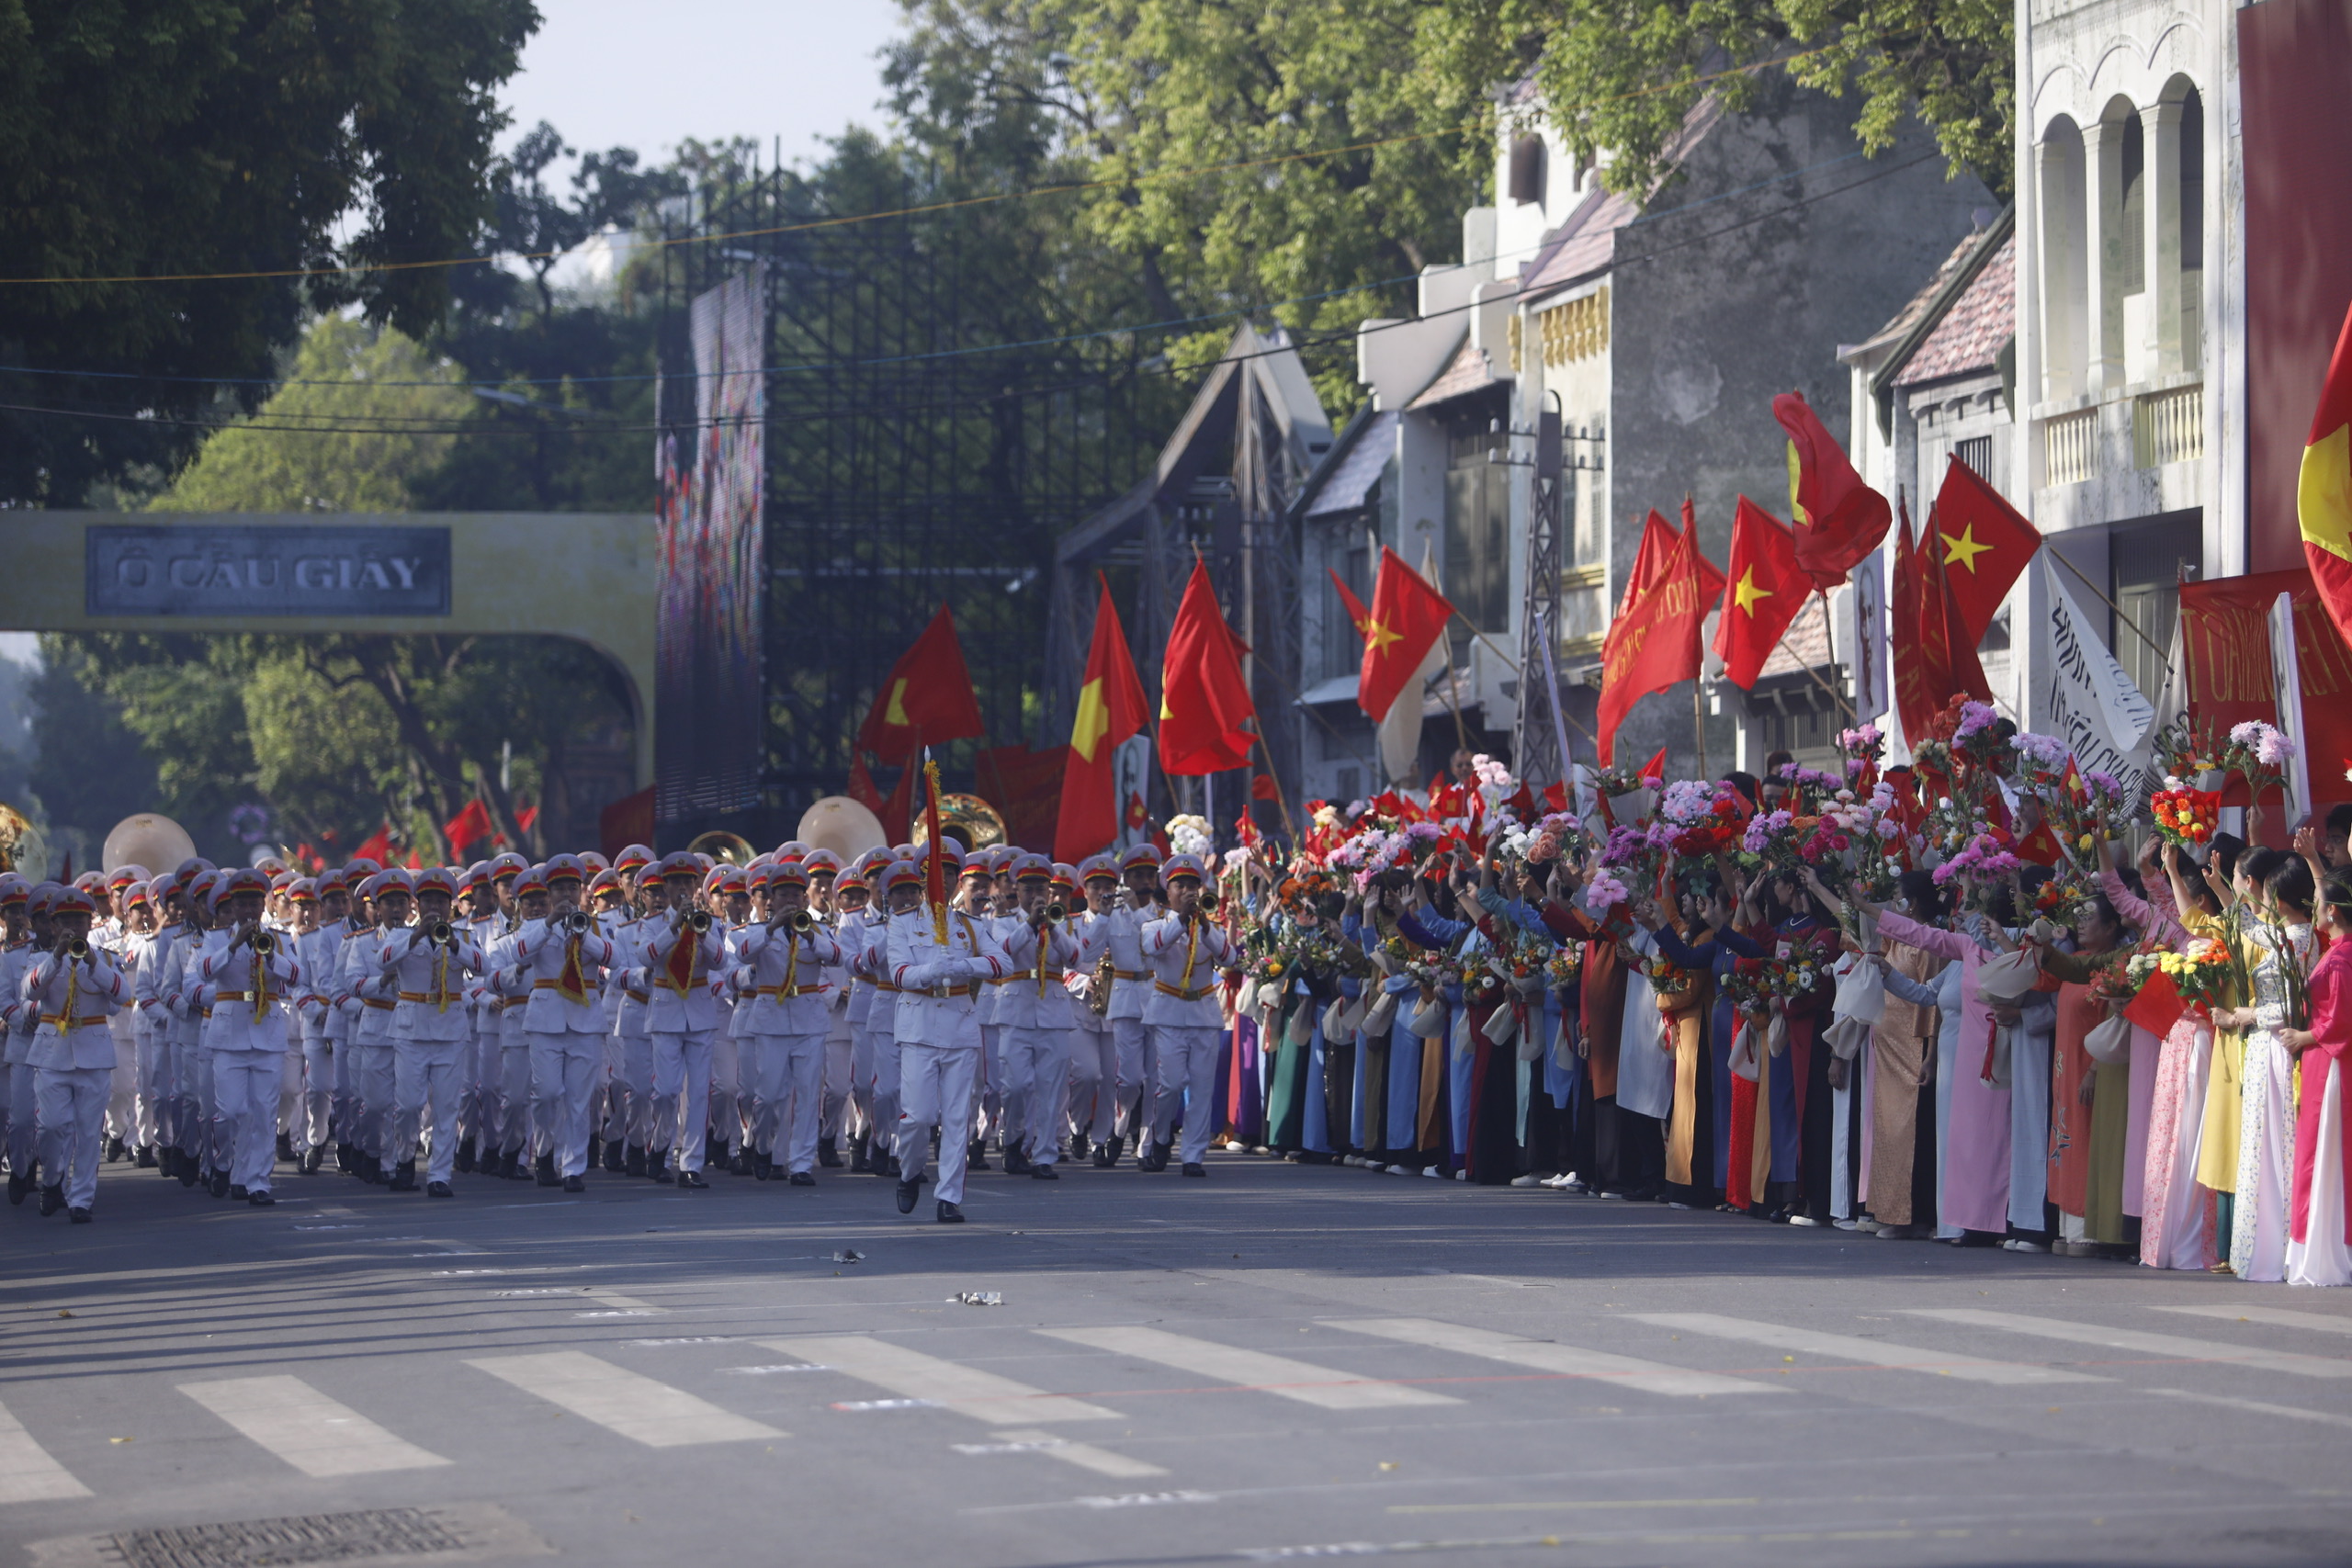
363	417
1621	74
206	173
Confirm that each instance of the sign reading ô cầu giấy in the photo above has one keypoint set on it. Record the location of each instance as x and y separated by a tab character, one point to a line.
247	569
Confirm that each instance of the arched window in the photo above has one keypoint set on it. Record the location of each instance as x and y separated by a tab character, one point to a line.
1526	184
2064	263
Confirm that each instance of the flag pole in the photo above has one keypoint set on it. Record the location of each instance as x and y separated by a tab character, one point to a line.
1822	595
1282	799
1698	724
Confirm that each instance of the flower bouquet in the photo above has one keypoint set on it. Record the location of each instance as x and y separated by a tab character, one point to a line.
2187	817
2190	754
2259	754
1631	797
2201	972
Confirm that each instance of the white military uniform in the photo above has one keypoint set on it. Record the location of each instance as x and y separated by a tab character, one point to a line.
789	1007
564	1022
1037	1016
248	998
72	1058
432	1037
938	1036
1186	1019
1135	1091
681	1016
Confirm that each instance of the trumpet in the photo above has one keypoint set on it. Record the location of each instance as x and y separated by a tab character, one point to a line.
801	921
440	933
1054	913
698	920
77	948
575	923
263	942
1208	900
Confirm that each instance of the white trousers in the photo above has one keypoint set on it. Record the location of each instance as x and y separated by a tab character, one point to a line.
727	1086
24	1118
791	1072
318	1093
1187	1082
681	1094
429	1081
1094	1081
564	1068
372	1086
245	1092
72	1103
834	1081
1138	1088
886	1064
935	1087
1036	1065
151	1060
122	1094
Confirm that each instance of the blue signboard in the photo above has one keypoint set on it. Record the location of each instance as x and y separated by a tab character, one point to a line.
232	570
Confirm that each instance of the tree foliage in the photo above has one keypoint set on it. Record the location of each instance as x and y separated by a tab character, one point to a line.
157	140
1618	76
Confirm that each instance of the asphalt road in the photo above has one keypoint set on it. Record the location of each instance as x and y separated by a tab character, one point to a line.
1279	1362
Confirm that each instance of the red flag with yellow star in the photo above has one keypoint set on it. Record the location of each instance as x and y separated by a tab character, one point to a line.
927	698
1111	706
1981	542
1764	589
1654	641
1934	658
1838	519
1407	615
1203	696
2323	492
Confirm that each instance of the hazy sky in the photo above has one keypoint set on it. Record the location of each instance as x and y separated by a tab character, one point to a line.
624	74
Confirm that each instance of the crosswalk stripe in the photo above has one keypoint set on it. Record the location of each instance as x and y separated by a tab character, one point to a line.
621	1400
2285	1317
1854	1347
27	1472
1086	1456
2259	1408
984	1396
2171	1345
316	1435
1544	1354
1301	1381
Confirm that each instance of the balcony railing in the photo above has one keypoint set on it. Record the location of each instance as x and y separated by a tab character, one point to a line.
2168	427
2070	448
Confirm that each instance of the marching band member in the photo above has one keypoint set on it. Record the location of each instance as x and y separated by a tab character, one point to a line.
1185	948
1039	949
563	959
789	1004
680	955
373	1073
938	1035
247	972
71	991
424	966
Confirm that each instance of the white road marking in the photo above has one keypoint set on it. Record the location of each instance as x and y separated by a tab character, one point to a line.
27	1472
2258	1406
1854	1347
2173	1345
2285	1317
1301	1381
317	1435
1544	1354
621	1400
984	1396
1086	1456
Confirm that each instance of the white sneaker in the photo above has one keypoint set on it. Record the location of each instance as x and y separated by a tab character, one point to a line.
1805	1220
1846	1225
1433	1173
1526	1181
1461	1176
1402	1171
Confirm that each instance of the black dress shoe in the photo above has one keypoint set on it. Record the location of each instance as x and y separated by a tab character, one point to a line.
891	1168
803	1178
740	1164
79	1216
1194	1167
546	1170
188	1173
693	1179
465	1161
762	1167
908	1192
220	1188
261	1200
286	1147
19	1186
308	1164
858	1164
345	1157
115	1151
236	1192
403	1177
616	1157
1078	1145
1044	1173
51	1200
949	1214
574	1184
1105	1156
145	1159
438	1190
633	1162
1016	1163
657	1169
828	1154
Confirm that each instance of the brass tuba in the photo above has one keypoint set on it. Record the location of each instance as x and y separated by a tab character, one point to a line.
726	848
968	820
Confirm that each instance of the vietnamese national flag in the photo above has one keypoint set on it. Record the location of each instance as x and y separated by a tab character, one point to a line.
1358	616
1654	641
1838	518
2323	491
468	828
1110	708
377	847
927	698
1765	587
1934	655
1204	699
1981	543
1407	617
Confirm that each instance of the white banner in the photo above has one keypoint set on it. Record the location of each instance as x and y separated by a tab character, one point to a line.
2094	706
1866	605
